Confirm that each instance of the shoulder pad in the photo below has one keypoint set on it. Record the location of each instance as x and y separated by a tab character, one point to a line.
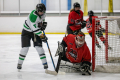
33	16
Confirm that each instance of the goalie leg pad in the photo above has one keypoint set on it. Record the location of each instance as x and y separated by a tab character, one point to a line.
69	67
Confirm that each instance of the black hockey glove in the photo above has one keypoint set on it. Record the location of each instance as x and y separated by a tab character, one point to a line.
42	26
44	38
83	24
97	23
75	32
85	67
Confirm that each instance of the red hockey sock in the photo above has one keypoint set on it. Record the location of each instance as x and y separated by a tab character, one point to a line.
97	41
102	38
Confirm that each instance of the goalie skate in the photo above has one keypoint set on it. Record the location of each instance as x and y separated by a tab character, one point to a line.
86	73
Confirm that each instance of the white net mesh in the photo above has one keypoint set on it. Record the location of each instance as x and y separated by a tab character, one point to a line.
107	58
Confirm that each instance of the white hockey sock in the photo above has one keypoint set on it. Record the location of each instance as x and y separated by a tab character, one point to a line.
23	54
41	53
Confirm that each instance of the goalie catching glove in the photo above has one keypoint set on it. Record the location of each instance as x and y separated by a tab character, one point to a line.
43	38
42	26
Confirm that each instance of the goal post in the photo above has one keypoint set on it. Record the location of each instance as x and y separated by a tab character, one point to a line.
106	58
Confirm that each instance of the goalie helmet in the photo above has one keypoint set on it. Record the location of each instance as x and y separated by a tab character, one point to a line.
91	13
76	4
40	7
80	39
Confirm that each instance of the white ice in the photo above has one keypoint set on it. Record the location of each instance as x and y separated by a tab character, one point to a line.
32	69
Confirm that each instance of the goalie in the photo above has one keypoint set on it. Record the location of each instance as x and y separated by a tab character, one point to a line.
75	54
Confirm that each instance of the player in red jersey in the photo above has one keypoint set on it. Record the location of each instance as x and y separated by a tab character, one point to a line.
74	50
75	20
99	29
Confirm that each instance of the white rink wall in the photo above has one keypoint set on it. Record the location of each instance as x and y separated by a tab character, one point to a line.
15	24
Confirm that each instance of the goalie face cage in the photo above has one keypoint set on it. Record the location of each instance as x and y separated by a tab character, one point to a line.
104	59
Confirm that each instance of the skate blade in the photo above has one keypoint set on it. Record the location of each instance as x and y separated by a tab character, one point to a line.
18	70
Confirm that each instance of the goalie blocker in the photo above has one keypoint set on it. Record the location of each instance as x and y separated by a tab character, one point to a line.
75	54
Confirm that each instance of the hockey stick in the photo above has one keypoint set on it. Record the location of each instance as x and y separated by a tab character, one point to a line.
49	52
57	68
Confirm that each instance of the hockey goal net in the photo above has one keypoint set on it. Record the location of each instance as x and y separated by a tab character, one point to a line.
106	58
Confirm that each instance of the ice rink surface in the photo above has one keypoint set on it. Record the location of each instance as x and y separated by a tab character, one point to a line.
32	69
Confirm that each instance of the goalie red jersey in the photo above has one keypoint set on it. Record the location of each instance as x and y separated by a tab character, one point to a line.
75	20
89	24
76	54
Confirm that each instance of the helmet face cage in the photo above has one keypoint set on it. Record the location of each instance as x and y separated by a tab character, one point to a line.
91	13
80	40
76	5
40	7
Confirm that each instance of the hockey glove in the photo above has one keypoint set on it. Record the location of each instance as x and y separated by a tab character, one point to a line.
85	67
43	38
83	24
42	26
75	32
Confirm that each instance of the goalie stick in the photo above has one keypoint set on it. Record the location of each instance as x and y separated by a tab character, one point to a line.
57	67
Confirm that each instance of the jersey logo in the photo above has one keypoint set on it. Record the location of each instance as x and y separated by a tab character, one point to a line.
72	20
71	43
34	25
88	24
73	53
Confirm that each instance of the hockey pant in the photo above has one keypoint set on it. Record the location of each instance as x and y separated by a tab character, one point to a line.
26	38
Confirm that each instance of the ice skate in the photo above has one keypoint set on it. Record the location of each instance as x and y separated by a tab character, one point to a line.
110	48
98	46
19	67
45	66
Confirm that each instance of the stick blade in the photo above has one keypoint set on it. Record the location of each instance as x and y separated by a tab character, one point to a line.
51	72
61	73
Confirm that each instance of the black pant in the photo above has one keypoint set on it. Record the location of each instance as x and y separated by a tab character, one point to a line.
27	36
98	33
69	31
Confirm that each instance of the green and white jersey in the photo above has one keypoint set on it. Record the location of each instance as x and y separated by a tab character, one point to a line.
31	24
